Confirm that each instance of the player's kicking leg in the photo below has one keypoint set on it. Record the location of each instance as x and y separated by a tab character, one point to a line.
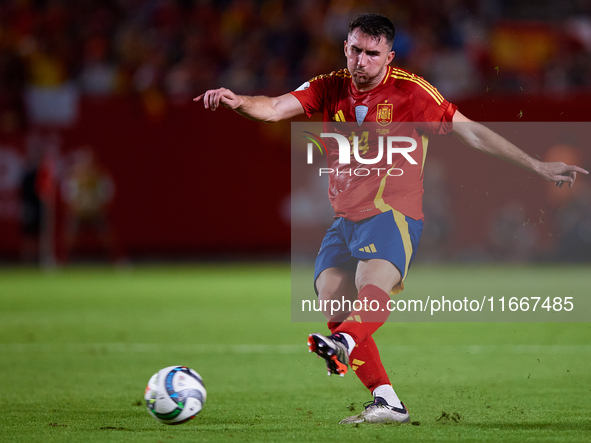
363	262
334	349
340	348
386	406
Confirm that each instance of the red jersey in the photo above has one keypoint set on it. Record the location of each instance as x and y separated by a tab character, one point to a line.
403	104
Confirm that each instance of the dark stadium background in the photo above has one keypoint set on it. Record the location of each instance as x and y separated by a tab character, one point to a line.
120	76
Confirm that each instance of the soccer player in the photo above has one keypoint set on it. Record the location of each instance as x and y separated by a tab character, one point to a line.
366	253
88	191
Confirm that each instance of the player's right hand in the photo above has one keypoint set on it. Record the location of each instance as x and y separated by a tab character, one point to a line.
214	97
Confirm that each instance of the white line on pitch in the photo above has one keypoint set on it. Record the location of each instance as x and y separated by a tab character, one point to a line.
278	349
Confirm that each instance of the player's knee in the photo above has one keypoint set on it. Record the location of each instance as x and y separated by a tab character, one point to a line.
383	280
327	292
335	283
334	299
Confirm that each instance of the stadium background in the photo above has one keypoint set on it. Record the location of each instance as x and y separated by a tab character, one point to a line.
119	76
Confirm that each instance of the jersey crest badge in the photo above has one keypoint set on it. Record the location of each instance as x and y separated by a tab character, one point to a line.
360	113
384	114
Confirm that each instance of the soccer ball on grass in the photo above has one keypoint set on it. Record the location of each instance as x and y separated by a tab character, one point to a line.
175	395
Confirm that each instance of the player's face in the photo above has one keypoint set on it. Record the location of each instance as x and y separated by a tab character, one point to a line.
367	59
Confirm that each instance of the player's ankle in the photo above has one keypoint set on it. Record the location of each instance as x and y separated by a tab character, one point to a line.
388	394
345	339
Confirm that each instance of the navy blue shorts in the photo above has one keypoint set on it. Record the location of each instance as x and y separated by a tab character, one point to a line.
389	236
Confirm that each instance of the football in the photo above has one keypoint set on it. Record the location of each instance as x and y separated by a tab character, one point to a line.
175	395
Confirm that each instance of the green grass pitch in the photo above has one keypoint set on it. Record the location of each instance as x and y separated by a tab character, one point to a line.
77	348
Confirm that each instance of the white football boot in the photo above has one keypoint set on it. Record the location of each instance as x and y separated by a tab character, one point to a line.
379	411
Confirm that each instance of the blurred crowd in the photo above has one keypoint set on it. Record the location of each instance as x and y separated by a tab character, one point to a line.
52	52
175	49
65	199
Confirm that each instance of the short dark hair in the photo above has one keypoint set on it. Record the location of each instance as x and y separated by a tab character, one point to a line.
375	25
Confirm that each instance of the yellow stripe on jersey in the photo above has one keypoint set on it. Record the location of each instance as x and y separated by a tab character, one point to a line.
402	227
435	97
425	139
387	76
419	81
344	73
405	235
379	200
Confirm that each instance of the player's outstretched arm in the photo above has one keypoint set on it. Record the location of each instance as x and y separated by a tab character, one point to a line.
479	137
259	108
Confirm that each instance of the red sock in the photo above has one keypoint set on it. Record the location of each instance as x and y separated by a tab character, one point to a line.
361	324
365	358
365	361
335	322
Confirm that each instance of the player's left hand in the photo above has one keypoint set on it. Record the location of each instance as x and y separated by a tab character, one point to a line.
560	173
